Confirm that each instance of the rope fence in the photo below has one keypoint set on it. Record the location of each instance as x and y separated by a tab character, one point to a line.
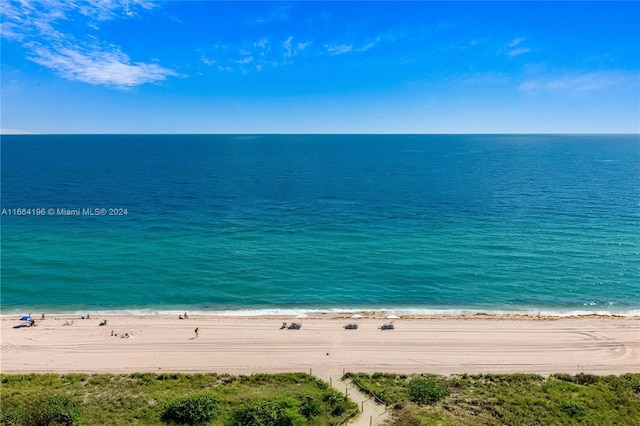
371	393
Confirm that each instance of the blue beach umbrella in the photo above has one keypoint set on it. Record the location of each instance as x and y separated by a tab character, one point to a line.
26	318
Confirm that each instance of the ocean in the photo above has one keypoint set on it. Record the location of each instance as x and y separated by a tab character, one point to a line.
267	224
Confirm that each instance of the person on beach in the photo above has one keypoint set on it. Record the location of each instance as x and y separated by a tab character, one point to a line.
196	330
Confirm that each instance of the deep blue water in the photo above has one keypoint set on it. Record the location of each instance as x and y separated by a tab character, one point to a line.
428	223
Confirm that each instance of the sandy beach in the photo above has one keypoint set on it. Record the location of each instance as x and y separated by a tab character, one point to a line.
244	345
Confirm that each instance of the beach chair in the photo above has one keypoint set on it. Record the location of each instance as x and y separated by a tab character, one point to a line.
387	326
351	326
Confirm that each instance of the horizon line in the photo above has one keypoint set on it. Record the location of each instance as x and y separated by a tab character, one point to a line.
26	133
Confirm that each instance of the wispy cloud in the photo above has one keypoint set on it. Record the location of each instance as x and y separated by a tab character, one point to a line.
86	59
362	46
279	13
515	48
518	51
304	45
104	10
97	64
338	49
370	45
254	56
15	132
515	42
287	47
245	60
262	43
576	83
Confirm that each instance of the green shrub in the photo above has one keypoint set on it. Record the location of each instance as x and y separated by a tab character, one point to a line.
426	391
573	409
194	410
337	402
563	377
310	408
632	381
585	379
56	410
9	411
268	413
340	408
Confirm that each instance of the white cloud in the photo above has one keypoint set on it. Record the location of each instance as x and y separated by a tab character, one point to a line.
302	46
518	51
245	60
98	65
263	43
15	132
253	56
514	48
207	61
369	45
576	83
287	47
105	10
86	59
515	42
279	13
338	49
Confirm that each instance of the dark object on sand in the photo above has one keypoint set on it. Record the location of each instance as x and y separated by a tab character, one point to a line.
284	325
103	322
387	326
295	326
27	321
351	326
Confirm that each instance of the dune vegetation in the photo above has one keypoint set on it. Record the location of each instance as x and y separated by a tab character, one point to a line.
508	399
155	399
300	399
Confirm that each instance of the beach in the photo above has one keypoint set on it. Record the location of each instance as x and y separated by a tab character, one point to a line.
246	345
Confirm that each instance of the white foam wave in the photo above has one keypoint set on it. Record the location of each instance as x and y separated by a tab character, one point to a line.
377	311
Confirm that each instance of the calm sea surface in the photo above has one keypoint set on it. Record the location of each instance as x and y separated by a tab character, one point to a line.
218	223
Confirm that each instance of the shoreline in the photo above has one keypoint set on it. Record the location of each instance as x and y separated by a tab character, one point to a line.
330	313
322	316
478	343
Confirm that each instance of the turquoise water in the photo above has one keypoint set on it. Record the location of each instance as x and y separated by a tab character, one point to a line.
246	224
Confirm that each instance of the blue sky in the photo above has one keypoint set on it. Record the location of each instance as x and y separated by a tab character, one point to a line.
141	66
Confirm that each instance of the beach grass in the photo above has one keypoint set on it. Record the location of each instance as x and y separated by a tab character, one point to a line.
509	399
302	399
146	398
